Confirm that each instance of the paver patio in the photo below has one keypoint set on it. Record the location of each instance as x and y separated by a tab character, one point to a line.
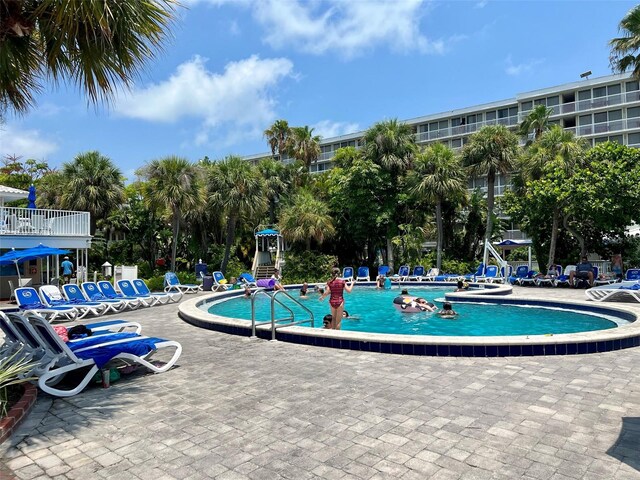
239	408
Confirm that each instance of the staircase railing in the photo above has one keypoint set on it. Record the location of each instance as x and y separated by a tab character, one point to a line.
273	320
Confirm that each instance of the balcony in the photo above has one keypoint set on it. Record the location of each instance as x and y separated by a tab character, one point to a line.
41	222
590	104
463	129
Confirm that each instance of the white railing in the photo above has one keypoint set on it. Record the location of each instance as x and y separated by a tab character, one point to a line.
37	221
464	129
590	104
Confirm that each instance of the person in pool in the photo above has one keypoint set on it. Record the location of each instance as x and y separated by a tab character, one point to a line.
447	310
336	287
462	286
304	290
326	321
424	305
247	292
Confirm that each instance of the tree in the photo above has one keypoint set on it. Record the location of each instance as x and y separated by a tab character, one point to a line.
173	185
437	176
306	218
491	151
304	146
624	54
278	136
236	187
276	178
536	121
97	45
92	183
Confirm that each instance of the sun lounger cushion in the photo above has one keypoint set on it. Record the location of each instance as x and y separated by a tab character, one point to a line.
103	352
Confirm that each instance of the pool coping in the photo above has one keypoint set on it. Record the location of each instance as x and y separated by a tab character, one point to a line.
624	336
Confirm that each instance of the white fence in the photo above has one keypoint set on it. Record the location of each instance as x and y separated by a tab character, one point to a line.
42	222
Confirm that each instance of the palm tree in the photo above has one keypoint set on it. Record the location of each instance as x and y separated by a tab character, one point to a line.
437	176
278	135
237	188
491	151
276	177
391	144
306	218
173	184
624	49
566	151
536	121
98	45
92	183
304	146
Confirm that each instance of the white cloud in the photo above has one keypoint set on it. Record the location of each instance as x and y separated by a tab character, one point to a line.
25	143
328	129
481	4
347	27
239	97
520	68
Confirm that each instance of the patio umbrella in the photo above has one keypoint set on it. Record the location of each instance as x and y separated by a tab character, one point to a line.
18	256
32	197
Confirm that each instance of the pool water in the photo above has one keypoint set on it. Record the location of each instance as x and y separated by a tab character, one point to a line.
372	310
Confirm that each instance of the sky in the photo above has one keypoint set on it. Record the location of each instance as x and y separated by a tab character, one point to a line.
231	68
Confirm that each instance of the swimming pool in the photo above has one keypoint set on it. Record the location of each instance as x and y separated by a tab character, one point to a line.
371	310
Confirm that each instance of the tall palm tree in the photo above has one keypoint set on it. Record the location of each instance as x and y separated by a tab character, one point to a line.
97	45
306	218
304	146
278	136
438	175
564	150
492	150
92	183
237	188
536	121
173	184
391	144
277	180
625	53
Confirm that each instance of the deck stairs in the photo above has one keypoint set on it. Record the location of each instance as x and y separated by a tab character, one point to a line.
264	271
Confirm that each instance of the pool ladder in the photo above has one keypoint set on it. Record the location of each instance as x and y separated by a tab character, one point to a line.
273	299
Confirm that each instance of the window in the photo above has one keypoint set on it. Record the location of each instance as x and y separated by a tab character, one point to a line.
325	148
351	143
443	124
601	140
456	122
539	101
616	138
471	119
600	117
599	92
433	126
551	101
634	139
513	111
456	143
584	120
615	115
632	86
584	95
526	106
633	112
614	89
503	113
490	115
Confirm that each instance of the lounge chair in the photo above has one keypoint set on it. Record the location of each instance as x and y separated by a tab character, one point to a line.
92	291
172	284
24	345
29	300
383	270
347	274
109	291
127	288
431	275
564	278
622	291
471	277
363	275
402	275
551	278
75	294
220	283
161	297
52	296
522	276
247	280
490	274
96	353
632	274
417	274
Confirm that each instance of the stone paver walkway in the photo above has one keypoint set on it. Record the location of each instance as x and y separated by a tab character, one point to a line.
238	408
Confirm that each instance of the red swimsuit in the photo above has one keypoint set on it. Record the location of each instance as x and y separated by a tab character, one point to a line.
336	287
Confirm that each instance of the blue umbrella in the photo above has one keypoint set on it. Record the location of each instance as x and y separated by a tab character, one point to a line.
18	256
32	197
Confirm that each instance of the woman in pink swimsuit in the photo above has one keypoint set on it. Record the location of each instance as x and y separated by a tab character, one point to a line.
336	287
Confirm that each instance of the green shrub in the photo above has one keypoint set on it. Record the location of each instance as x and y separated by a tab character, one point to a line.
448	265
156	284
308	267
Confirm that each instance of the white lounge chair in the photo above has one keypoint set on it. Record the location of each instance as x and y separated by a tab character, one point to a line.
74	293
52	296
347	274
126	287
29	300
104	289
490	274
418	273
219	282
363	275
623	291
160	297
431	275
172	284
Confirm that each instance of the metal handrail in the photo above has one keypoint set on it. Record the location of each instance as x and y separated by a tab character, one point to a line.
273	314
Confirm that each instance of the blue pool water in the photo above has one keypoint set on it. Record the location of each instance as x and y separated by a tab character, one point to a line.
372	311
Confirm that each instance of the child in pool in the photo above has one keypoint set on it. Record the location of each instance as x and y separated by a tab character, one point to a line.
447	310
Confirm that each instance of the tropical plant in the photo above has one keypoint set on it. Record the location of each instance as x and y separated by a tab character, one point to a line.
437	176
278	136
391	144
536	121
491	151
304	146
306	218
277	180
624	54
13	369
92	183
173	185
98	45
236	187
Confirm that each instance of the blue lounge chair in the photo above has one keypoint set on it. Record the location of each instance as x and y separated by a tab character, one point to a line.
172	284
220	283
490	274
418	273
127	288
522	276
383	270
104	290
632	274
363	275
347	274
97	353
159	297
29	300
75	294
52	296
247	280
402	275
471	277
551	279
563	279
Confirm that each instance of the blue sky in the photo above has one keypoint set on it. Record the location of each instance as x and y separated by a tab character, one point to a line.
233	67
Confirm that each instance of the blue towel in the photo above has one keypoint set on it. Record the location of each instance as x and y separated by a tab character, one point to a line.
102	355
635	286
